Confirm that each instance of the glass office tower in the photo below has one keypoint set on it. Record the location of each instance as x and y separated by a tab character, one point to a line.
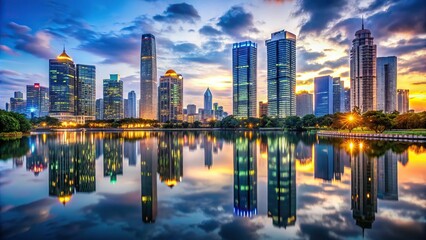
86	90
281	76
244	75
171	96
386	83
37	100
323	90
113	97
148	106
208	102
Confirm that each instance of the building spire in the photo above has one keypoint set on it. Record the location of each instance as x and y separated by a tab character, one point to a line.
362	21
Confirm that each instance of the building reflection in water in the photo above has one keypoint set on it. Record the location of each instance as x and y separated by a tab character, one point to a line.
329	161
37	158
363	186
208	150
387	172
245	176
148	149
85	166
130	151
281	181
170	158
113	157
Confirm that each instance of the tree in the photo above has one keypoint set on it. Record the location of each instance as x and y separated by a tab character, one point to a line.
24	123
377	121
309	120
293	122
8	123
196	124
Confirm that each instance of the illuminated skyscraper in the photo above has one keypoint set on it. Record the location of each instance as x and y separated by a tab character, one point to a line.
386	83
37	100
113	97
85	165
113	158
62	85
244	75
323	90
403	97
208	102
170	158
363	71
245	176
17	103
148	106
149	179
85	90
281	75
171	96
281	181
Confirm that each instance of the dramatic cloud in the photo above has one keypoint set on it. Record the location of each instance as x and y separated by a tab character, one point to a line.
236	22
179	12
37	45
240	229
405	47
209	31
185	48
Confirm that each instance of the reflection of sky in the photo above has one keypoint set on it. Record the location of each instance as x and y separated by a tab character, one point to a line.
201	205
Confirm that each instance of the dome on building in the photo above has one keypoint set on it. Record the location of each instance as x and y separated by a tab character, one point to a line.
64	56
171	72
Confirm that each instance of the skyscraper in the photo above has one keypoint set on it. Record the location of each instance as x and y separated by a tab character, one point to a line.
37	100
244	79
304	104
17	103
192	109
62	85
131	104
113	97
363	71
323	89
281	76
171	96
85	90
148	106
347	100
263	109
338	95
403	100
208	102
386	83
99	109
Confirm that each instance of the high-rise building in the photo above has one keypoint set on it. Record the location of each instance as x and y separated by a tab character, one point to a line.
191	109
148	106
37	100
245	177
208	101
338	95
304	104
62	85
263	109
363	71
85	90
323	90
149	159
347	100
99	109
386	83
281	75
113	97
126	107
171	96
7	107
131	105
403	100
17	103
387	176
244	79
281	181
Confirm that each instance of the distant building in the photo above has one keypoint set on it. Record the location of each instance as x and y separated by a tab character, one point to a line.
85	90
171	96
148	106
347	100
244	78
99	109
131	104
7	108
363	71
403	100
208	101
37	101
191	109
304	104
126	107
338	95
323	90
281	74
386	83
17	103
263	109
113	97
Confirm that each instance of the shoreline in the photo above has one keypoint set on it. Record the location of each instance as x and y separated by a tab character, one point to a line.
374	136
42	130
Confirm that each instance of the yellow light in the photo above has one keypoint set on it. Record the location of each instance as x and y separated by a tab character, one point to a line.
361	145
368	195
351	118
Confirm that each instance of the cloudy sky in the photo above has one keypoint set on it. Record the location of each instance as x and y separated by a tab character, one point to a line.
194	38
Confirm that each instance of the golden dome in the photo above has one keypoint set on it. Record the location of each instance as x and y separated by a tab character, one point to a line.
64	56
171	72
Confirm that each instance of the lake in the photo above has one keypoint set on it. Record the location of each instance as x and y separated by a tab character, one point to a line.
210	185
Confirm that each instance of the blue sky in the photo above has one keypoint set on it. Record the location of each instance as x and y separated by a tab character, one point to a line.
194	38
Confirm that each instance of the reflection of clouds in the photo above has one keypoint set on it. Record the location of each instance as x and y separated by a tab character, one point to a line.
240	228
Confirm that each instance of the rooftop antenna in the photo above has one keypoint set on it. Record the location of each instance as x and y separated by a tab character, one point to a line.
64	48
362	19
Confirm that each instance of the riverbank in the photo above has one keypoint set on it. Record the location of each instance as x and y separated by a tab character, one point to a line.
10	135
374	136
44	130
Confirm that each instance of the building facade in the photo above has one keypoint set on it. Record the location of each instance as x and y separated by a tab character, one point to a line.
323	90
99	109
386	83
347	100
338	95
17	103
244	76
37	100
208	102
281	75
191	109
113	97
263	109
85	90
304	104
131	104
171	96
363	71
148	106
403	100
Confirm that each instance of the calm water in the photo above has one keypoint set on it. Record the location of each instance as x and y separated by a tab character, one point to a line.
210	185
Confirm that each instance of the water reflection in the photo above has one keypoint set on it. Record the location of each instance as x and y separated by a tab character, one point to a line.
282	183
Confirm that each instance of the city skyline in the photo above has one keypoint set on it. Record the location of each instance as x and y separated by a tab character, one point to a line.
202	35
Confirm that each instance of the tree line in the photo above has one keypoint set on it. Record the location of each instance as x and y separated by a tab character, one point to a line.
13	122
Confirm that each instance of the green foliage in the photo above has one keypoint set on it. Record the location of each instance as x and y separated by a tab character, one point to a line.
309	120
293	123
50	121
377	121
12	122
13	148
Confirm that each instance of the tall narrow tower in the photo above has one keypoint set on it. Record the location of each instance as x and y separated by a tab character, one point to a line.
148	107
